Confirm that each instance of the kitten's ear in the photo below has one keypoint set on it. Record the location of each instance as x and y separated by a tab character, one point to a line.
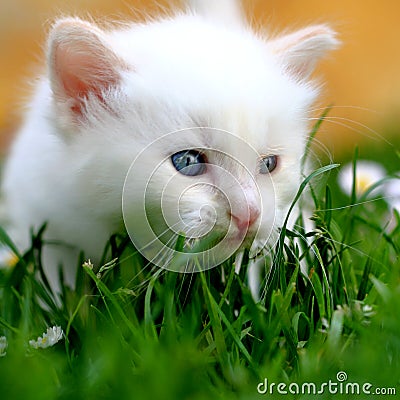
300	51
80	63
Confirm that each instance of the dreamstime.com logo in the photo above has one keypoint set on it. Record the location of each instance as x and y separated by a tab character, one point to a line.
339	386
193	198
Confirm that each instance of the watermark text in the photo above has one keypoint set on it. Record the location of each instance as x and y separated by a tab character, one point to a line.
340	385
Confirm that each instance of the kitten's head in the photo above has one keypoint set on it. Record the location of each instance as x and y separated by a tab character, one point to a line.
210	119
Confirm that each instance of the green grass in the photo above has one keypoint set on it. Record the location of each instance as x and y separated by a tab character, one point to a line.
132	331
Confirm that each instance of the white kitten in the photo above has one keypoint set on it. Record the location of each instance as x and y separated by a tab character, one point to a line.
111	98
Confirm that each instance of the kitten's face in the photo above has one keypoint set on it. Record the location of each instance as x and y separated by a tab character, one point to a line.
210	122
227	183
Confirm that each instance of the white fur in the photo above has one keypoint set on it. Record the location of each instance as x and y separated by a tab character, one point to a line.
68	164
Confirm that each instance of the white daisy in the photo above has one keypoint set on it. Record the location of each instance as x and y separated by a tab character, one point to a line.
392	193
50	338
7	258
88	264
367	173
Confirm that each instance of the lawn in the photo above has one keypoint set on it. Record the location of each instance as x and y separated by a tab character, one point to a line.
327	325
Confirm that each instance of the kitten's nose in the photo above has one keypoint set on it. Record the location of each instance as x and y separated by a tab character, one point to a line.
244	220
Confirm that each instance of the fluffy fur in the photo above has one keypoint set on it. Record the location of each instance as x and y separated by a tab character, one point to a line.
108	94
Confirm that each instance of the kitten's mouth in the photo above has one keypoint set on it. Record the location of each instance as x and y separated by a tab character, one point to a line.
242	239
233	237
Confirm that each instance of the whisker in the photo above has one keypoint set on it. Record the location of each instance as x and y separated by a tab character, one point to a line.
363	253
322	148
151	263
134	277
360	124
360	108
303	237
188	289
354	205
340	122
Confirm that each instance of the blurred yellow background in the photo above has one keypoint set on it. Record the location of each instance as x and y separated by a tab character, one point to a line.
362	77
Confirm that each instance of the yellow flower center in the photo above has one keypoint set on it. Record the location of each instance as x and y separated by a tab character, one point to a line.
12	260
363	183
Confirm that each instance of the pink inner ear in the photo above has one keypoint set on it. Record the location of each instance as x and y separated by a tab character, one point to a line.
82	69
301	50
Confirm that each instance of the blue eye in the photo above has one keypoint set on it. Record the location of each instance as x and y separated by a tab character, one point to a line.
189	162
268	164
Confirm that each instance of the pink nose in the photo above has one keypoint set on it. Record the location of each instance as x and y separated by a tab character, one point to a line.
245	220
